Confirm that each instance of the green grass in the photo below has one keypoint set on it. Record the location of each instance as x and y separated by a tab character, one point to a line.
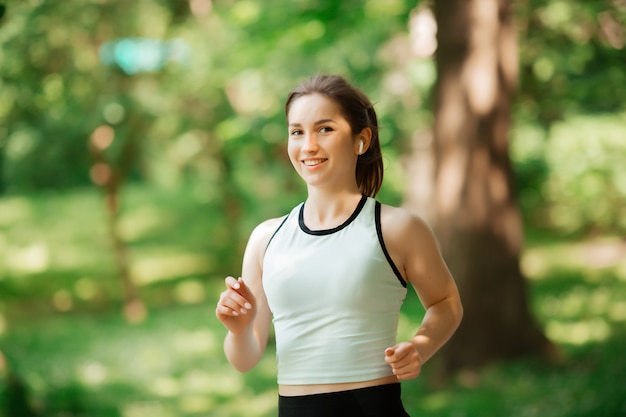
68	346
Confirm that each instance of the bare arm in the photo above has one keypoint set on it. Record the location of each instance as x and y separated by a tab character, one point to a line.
413	247
243	308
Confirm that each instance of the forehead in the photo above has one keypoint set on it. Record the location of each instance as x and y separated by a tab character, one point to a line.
313	107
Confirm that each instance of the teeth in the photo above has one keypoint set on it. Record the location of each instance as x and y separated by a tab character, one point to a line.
311	162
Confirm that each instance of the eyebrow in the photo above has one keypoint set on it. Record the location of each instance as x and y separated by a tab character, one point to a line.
318	122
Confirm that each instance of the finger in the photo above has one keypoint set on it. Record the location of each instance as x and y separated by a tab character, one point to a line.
404	356
404	363
239	305
237	286
403	376
240	286
389	352
405	369
235	301
223	311
232	283
403	350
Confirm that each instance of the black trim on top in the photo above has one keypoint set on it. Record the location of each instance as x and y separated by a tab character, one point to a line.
379	232
353	216
276	231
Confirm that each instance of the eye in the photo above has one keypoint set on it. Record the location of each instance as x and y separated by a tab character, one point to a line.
295	132
325	129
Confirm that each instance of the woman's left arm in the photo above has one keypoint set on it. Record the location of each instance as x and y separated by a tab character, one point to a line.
412	246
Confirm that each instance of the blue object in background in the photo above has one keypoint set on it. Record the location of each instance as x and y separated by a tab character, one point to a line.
135	55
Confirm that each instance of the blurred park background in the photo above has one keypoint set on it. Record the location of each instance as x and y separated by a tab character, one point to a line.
141	141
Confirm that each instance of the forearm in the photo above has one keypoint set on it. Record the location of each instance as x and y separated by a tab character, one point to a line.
439	324
243	350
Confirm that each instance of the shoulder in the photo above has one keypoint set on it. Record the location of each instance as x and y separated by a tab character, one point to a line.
257	243
399	223
412	243
408	237
262	233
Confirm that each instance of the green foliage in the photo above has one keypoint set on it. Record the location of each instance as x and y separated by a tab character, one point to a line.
570	58
572	176
214	116
213	110
66	342
586	187
568	132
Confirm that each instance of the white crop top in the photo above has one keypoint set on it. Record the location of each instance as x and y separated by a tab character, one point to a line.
335	297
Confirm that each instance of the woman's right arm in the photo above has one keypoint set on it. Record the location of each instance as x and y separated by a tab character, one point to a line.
242	307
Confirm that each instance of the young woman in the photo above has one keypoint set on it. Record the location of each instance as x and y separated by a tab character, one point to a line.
333	273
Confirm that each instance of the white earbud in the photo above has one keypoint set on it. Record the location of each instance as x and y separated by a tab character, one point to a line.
360	147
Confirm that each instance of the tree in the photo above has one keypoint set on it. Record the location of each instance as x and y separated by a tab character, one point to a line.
476	216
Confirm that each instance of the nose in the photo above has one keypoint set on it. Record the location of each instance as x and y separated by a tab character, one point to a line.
310	144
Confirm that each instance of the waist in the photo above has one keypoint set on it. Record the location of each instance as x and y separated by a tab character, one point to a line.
309	389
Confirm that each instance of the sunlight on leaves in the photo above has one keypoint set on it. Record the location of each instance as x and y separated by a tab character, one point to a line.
245	13
377	8
196	404
62	300
197	381
584	157
146	409
543	68
92	373
617	311
151	359
436	401
196	342
257	404
161	268
85	288
621	270
190	292
578	333
225	381
535	264
557	13
232	128
250	95
113	112
314	29
29	259
20	143
165	386
137	223
589	255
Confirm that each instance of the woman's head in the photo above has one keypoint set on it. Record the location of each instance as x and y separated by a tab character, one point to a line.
359	113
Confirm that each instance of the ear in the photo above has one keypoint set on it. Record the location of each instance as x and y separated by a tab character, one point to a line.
364	138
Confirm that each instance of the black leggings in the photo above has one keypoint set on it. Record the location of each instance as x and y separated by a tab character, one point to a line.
379	401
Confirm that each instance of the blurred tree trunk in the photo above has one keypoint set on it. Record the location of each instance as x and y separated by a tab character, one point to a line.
476	216
110	171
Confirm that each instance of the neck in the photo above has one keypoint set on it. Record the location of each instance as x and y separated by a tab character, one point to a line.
324	210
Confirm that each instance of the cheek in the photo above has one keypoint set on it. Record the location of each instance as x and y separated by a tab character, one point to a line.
293	151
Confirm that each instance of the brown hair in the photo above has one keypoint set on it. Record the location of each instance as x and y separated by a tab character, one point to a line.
359	112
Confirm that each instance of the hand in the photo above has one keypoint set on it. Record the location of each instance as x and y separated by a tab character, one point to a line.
236	307
405	360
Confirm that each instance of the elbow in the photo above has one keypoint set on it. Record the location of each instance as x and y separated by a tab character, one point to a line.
243	368
458	312
242	365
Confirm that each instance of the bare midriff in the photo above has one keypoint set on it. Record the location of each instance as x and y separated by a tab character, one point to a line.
296	390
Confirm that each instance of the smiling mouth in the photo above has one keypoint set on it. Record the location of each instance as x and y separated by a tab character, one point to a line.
313	162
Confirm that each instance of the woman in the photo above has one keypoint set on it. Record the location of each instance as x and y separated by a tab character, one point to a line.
332	274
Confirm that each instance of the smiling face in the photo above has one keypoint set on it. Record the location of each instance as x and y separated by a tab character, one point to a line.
322	147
